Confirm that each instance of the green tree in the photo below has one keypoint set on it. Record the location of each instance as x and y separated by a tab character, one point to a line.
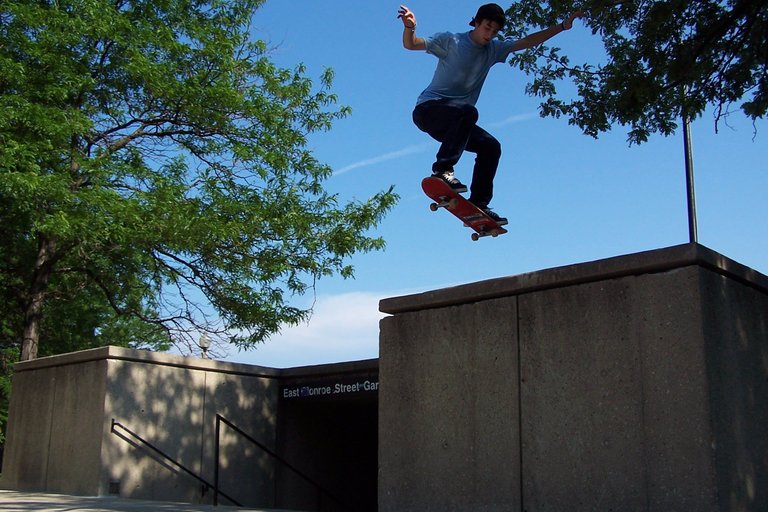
154	172
664	59
7	357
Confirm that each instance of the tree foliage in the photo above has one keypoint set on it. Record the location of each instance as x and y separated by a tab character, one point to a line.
155	178
665	59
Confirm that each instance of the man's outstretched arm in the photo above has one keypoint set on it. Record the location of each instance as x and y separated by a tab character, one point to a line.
539	37
410	41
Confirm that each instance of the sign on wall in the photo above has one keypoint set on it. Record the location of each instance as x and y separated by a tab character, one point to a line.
331	387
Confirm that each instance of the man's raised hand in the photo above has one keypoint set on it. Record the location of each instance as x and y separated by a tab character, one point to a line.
409	19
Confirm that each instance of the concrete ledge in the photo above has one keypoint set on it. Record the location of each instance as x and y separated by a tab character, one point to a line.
193	363
649	262
144	356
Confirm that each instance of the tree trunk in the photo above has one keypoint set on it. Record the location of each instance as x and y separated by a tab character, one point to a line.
33	308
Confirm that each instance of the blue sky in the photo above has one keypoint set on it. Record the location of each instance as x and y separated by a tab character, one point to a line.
569	198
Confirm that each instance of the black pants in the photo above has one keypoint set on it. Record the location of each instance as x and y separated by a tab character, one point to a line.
454	127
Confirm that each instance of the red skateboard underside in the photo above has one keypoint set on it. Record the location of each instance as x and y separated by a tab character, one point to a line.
472	216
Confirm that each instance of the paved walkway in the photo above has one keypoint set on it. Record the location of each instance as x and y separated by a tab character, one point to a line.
18	501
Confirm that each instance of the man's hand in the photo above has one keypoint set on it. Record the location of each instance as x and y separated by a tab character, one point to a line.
410	41
537	38
409	19
567	24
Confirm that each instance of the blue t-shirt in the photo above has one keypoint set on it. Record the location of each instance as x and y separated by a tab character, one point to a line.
462	66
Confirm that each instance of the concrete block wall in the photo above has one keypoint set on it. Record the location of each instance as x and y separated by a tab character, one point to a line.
60	435
55	429
634	383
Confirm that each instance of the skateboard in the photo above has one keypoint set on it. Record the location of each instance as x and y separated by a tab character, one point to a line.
472	216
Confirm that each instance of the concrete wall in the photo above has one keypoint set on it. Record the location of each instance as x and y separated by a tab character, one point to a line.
635	383
55	429
60	435
448	409
736	330
174	407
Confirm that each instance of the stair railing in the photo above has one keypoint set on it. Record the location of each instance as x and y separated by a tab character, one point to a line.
131	437
321	491
167	458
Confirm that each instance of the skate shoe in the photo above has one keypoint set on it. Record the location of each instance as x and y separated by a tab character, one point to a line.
498	219
450	179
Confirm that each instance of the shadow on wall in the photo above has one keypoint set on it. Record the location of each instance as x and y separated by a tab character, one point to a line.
737	360
173	408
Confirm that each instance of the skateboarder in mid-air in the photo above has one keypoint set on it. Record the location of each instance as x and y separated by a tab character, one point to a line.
446	108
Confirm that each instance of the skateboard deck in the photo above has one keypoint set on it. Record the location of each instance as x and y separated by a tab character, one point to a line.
472	216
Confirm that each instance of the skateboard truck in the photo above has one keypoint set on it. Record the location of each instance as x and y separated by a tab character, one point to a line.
445	202
492	233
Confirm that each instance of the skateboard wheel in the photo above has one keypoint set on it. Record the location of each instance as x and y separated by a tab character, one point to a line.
433	207
475	237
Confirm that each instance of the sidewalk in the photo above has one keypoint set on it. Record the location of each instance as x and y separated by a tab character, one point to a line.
40	502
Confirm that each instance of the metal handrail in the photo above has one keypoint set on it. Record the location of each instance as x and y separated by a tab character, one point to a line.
320	489
207	485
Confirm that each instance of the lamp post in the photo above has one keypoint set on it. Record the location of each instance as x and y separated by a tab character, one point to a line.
693	236
204	345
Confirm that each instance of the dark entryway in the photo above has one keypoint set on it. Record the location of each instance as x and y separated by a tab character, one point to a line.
328	429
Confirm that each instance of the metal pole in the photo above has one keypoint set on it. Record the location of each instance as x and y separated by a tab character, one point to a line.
216	462
693	235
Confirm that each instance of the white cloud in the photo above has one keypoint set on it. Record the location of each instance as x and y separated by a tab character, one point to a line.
343	327
518	118
419	148
410	150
